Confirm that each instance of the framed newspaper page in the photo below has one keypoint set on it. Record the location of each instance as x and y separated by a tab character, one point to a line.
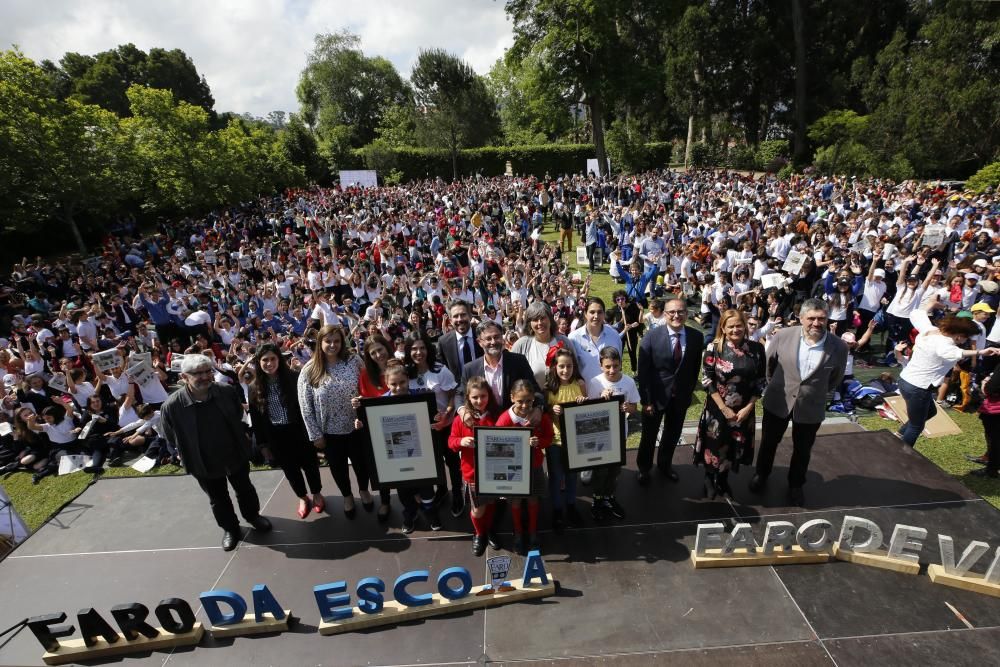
593	433
401	451
503	462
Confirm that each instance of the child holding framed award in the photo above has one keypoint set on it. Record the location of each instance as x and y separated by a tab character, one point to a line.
563	384
611	382
522	397
478	399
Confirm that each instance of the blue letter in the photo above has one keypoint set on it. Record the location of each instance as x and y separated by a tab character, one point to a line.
211	600
369	593
404	598
328	602
464	578
534	568
263	600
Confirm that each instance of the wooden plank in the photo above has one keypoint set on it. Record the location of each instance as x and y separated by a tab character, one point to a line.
394	612
970	582
250	627
879	560
740	558
75	650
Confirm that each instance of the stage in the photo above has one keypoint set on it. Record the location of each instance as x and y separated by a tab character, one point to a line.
628	592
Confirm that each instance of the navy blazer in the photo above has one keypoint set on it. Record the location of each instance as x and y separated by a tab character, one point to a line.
659	376
515	367
448	354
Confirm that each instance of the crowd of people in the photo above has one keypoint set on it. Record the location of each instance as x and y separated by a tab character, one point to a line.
254	333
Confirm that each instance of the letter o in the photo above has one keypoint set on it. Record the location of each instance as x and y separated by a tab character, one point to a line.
825	538
464	577
184	621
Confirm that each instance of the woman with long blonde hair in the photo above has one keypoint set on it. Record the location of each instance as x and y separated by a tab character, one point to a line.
328	382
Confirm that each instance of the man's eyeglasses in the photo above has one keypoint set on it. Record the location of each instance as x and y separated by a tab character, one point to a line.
675	313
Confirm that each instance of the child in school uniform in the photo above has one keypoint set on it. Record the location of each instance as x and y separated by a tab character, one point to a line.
522	397
478	400
611	382
563	384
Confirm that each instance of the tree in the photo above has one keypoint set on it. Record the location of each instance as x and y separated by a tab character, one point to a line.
105	78
59	158
344	94
530	107
455	108
581	45
838	130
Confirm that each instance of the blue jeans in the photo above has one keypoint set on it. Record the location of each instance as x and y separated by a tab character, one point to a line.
919	408
557	473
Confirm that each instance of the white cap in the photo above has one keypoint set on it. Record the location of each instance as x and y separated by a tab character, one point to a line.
879	273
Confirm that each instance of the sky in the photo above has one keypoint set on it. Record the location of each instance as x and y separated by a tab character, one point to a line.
252	51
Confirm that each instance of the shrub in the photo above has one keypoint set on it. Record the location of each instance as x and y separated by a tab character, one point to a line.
772	154
987	177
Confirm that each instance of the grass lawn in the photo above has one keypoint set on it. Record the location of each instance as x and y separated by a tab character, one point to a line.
36	504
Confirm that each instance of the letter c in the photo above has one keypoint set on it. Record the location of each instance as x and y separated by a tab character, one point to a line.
404	580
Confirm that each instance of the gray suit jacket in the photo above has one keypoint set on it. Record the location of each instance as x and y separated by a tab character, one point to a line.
807	397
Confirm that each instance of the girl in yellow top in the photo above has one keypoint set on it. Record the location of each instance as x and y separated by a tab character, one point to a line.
563	384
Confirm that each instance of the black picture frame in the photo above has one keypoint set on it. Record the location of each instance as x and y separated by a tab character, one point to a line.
586	415
488	485
411	415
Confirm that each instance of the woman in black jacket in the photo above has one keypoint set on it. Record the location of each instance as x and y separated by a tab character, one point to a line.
277	423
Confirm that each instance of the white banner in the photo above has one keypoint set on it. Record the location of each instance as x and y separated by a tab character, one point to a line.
10	522
592	166
366	178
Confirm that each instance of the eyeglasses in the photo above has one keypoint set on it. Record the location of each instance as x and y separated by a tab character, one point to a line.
675	313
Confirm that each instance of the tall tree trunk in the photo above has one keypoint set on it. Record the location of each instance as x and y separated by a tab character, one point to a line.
798	32
67	215
690	140
597	124
454	155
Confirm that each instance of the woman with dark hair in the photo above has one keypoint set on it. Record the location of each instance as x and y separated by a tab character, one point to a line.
538	336
626	317
279	428
375	355
427	374
326	385
936	351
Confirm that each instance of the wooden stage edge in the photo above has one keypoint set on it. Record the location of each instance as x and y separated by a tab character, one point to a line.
740	557
970	582
75	650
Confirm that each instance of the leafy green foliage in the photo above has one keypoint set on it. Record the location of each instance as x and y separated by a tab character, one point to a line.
625	148
987	177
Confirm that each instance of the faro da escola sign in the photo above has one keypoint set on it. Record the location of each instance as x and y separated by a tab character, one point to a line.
859	540
227	611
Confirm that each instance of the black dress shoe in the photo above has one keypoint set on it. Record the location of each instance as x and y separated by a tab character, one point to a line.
670	474
985	472
796	498
478	545
642	478
757	483
229	539
261	524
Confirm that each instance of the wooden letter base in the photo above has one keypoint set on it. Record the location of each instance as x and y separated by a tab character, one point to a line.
75	650
250	627
740	557
394	612
970	582
879	560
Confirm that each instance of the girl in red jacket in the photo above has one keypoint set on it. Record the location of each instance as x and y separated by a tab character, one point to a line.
478	399
522	397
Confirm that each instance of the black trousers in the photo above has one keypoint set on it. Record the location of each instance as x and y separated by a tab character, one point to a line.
222	504
991	429
773	429
672	418
452	461
297	457
343	446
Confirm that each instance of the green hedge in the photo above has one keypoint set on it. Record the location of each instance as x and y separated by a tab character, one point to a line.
554	159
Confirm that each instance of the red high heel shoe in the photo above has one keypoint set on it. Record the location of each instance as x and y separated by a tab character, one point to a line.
319	504
304	508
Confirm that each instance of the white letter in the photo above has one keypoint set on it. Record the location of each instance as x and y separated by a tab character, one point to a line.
778	534
742	536
709	536
824	539
970	556
851	525
906	537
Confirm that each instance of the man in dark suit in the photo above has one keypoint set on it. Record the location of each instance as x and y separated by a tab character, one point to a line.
500	367
669	361
459	346
125	317
804	365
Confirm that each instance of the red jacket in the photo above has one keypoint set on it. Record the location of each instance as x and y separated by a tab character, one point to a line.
543	432
458	431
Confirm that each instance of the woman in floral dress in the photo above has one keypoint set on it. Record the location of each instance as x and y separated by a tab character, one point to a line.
734	378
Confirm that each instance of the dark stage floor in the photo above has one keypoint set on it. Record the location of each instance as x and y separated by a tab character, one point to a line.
629	594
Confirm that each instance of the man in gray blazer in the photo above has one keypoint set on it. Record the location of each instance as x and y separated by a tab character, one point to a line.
804	364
